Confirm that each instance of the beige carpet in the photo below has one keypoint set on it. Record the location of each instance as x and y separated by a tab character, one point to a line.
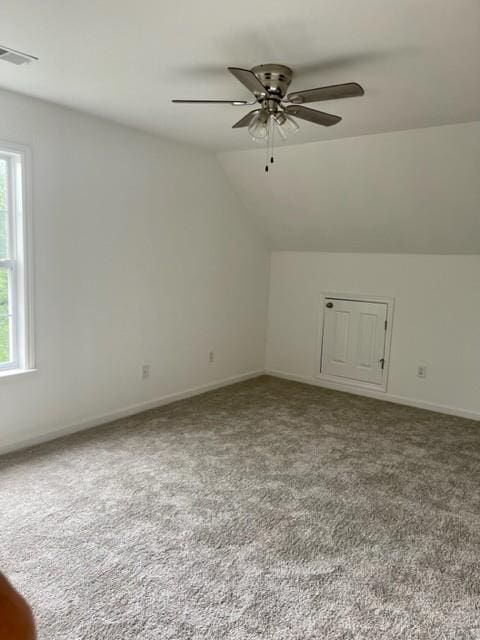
266	510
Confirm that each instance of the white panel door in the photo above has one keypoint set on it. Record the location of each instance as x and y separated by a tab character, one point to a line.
354	340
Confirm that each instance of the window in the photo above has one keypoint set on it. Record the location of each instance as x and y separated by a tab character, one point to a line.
15	291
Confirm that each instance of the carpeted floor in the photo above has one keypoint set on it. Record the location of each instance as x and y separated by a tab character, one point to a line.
265	510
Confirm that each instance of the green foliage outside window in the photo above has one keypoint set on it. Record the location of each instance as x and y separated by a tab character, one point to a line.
4	322
3	207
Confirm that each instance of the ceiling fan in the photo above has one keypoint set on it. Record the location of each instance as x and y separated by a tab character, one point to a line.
269	84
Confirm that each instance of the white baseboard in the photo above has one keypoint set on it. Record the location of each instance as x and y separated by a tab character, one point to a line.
217	384
127	411
379	395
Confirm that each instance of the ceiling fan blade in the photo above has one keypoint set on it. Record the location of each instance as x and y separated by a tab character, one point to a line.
234	102
245	121
249	80
333	92
312	115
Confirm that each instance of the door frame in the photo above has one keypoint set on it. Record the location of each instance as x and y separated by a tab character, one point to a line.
355	297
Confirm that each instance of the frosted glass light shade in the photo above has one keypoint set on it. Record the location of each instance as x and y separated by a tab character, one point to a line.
286	125
258	128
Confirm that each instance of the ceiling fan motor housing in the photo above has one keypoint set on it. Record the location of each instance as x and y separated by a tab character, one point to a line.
276	78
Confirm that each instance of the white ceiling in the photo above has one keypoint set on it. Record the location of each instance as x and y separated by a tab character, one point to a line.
125	59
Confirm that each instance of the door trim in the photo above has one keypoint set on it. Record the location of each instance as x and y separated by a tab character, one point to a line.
345	382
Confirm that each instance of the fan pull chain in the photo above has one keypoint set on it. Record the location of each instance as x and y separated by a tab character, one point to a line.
269	147
273	142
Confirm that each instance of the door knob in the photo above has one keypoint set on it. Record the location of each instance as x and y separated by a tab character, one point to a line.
329	305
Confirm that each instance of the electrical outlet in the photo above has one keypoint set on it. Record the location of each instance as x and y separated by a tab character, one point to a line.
211	356
422	371
145	371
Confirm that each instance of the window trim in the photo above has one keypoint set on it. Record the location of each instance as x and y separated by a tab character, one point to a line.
10	262
21	262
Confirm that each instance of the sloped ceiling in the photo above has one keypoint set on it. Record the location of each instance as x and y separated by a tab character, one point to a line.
352	187
404	192
125	60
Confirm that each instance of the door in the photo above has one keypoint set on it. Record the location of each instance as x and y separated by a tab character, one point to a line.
353	344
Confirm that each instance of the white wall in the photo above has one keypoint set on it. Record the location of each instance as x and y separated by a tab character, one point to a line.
412	191
142	255
436	321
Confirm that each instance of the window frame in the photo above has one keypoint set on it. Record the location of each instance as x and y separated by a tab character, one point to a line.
19	258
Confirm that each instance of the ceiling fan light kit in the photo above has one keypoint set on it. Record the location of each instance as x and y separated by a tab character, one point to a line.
269	84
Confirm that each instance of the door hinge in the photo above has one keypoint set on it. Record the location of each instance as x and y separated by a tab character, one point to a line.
386	323
382	363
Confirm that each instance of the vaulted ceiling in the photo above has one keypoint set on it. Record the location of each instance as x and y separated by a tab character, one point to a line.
410	186
125	59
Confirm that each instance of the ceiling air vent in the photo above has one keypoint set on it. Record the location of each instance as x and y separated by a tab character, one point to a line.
15	57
